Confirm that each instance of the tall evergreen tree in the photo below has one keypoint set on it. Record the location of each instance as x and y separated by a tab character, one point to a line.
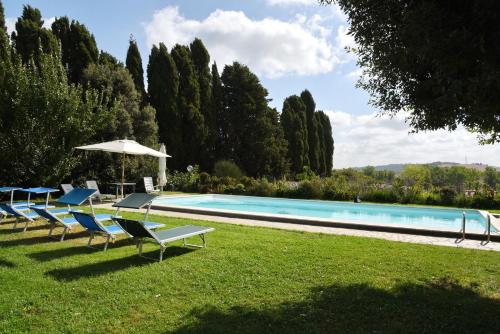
134	66
201	60
78	46
31	38
163	89
221	123
322	158
293	121
4	38
312	130
328	143
188	104
255	138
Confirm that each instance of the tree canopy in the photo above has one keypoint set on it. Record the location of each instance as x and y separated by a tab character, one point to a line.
435	60
134	66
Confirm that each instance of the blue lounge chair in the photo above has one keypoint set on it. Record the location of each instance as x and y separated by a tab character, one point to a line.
29	217
67	222
141	232
78	196
94	226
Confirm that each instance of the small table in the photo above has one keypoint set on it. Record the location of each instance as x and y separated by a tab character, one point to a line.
39	190
118	185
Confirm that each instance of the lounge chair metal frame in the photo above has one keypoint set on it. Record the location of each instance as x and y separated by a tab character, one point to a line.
94	227
12	210
54	220
142	234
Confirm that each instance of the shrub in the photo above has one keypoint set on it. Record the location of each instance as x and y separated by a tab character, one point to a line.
310	189
224	168
262	188
447	196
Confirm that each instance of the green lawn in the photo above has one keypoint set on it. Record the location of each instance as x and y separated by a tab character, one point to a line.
248	280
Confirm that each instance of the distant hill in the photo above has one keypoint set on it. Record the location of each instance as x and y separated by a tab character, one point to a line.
397	168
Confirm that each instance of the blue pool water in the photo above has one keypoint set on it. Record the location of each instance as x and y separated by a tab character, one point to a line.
380	214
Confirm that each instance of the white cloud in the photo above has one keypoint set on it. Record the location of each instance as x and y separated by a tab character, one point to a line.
355	74
371	140
292	2
10	23
270	47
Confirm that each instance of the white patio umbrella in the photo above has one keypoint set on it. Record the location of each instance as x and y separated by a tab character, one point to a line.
123	146
162	168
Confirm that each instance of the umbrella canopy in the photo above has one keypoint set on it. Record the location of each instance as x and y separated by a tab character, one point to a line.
124	146
162	176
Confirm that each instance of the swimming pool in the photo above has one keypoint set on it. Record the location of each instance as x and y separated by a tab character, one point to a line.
424	218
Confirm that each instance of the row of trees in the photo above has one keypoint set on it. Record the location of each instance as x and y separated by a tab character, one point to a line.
58	91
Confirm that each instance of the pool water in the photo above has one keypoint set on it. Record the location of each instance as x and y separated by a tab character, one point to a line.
379	214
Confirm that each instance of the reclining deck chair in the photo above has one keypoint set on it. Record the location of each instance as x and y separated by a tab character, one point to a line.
29	217
67	222
141	233
78	196
94	226
91	184
149	186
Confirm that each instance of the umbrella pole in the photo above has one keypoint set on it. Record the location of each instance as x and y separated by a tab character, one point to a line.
123	172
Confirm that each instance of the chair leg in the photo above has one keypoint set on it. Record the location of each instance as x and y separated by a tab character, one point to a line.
63	233
162	250
15	223
90	239
107	242
26	226
140	247
51	229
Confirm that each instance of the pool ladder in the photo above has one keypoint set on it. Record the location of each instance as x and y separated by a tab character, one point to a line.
488	227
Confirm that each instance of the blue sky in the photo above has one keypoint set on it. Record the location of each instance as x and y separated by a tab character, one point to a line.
291	45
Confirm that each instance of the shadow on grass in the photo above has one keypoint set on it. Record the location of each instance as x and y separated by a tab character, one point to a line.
19	228
6	264
441	306
103	268
39	239
97	245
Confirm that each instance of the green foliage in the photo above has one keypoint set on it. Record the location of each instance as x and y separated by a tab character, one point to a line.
78	46
327	144
201	60
294	124
30	38
491	177
194	130
4	38
47	117
436	59
163	88
312	130
227	168
221	145
134	66
254	138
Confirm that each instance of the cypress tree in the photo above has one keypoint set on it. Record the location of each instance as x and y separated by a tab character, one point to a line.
188	104
134	66
293	122
163	89
4	37
327	141
30	37
254	137
322	147
78	46
201	60
312	130
221	124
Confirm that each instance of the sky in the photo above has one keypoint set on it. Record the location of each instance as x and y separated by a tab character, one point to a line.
291	45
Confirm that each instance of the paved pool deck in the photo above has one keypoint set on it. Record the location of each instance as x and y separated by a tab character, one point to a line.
418	239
